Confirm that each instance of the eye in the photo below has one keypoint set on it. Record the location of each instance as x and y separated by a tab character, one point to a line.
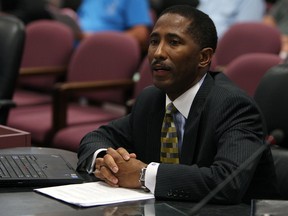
153	41
174	42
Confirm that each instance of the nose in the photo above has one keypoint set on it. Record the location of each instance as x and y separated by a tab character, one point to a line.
160	51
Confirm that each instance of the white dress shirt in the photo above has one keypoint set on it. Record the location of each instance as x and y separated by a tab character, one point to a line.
183	104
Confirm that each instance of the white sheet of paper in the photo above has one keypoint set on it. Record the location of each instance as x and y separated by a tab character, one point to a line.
94	193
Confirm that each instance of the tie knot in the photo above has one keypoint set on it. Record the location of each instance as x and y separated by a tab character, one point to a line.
170	108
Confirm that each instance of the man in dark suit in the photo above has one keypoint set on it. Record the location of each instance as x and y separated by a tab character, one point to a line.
218	125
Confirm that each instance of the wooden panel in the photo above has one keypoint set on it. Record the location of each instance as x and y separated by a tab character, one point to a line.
11	137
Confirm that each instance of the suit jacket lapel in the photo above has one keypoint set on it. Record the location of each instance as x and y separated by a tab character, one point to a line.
192	124
154	124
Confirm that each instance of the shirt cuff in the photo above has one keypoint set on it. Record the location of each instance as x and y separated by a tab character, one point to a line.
92	166
150	176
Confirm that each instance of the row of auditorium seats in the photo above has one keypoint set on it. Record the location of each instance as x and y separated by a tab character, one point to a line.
101	61
246	37
80	119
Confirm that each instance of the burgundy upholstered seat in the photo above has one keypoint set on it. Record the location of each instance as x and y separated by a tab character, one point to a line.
69	138
247	37
247	70
48	48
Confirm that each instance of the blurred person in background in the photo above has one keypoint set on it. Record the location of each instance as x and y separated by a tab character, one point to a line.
26	10
66	14
225	13
159	5
278	16
130	16
72	4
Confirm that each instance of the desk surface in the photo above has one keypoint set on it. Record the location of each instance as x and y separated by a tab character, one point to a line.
23	201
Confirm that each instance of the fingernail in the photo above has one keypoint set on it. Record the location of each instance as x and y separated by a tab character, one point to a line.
115	169
115	180
126	157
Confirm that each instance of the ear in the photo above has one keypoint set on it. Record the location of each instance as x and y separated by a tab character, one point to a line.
205	57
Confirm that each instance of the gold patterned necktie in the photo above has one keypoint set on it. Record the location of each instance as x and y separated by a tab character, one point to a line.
169	139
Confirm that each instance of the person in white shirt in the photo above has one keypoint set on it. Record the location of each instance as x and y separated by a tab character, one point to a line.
225	13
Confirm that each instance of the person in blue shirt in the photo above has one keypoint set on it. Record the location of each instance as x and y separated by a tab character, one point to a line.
225	13
129	16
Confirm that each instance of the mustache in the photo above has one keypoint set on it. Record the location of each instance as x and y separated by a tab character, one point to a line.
157	64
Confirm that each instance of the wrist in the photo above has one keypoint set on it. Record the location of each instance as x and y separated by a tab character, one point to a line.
142	179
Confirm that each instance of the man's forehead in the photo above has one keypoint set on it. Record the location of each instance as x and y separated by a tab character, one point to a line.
173	18
172	22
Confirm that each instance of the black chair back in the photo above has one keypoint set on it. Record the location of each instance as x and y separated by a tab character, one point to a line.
12	35
272	97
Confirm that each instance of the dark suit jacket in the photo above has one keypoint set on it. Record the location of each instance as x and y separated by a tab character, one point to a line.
223	129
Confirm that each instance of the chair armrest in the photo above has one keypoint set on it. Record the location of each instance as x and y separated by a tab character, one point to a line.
74	87
6	104
32	71
61	92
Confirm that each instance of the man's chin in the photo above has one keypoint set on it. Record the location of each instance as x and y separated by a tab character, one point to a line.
162	85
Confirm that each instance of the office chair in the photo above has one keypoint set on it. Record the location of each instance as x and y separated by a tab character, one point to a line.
100	65
12	36
272	98
142	79
69	138
48	47
246	37
247	69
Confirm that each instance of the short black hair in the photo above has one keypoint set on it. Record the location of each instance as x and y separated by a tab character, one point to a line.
201	28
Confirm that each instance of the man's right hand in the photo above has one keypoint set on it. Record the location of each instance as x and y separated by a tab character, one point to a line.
106	167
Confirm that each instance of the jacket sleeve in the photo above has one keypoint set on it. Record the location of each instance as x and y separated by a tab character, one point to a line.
114	134
231	130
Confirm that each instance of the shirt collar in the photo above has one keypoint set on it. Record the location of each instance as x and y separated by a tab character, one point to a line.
184	102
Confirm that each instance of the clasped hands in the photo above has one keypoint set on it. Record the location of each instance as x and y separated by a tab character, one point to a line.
119	168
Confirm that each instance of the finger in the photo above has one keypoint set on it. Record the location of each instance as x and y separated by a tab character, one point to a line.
124	153
111	184
109	160
98	174
133	155
108	176
103	175
99	162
